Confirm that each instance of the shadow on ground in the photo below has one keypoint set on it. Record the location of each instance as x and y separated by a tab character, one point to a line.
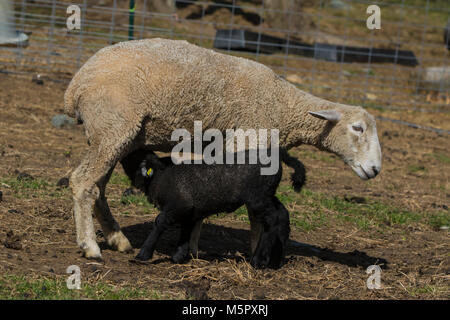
220	243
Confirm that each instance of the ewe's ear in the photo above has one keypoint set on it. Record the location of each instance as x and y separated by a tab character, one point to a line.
330	115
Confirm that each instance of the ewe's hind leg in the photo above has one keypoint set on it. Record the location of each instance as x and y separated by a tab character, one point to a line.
111	229
85	182
85	192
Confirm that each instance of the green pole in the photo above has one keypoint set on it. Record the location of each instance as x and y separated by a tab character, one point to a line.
131	20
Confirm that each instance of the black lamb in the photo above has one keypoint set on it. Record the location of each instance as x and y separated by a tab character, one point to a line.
188	193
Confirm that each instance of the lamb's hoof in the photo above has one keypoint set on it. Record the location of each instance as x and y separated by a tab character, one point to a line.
119	242
91	251
194	254
181	255
259	263
143	255
276	261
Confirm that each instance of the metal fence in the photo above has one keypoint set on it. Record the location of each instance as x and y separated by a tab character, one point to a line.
324	47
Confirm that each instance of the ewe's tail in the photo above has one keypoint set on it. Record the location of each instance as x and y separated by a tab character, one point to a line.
298	178
71	101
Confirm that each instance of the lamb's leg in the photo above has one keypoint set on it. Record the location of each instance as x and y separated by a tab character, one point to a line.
270	248
280	230
111	229
261	237
195	236
184	243
255	229
161	223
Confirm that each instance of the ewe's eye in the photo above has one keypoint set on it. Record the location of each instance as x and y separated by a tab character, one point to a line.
357	128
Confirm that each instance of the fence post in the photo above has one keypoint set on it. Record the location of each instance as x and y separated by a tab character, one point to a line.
131	20
8	34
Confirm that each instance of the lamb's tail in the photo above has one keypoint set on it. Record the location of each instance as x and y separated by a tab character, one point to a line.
298	178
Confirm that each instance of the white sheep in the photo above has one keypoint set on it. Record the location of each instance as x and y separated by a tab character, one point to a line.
134	94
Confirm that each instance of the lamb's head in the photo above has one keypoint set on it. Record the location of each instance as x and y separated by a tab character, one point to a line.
351	133
151	164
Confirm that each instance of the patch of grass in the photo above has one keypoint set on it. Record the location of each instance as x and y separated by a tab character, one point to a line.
242	214
416	168
67	153
58	194
31	188
308	221
284	198
25	184
221	215
286	194
439	219
433	290
318	156
28	188
241	211
371	214
367	214
442	157
119	179
437	186
136	199
18	287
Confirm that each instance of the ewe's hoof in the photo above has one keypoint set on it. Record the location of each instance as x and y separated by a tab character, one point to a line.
119	242
125	246
92	251
97	259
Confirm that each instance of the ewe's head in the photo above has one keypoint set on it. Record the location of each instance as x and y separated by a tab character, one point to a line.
351	133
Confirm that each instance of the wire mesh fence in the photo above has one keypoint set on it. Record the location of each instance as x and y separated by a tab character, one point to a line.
324	47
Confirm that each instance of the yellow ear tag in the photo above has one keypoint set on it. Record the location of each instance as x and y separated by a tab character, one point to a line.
149	172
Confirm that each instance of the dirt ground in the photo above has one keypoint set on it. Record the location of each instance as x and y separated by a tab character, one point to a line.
326	259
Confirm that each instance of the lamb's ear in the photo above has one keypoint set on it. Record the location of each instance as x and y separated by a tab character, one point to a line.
139	177
330	115
143	169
